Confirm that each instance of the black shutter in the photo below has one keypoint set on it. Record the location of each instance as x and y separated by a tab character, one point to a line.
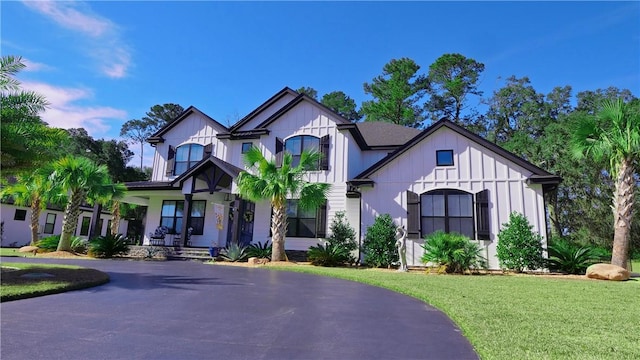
170	160
321	221
279	151
324	151
413	215
482	215
207	151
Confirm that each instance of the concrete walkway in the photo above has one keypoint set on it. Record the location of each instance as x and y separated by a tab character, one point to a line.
190	310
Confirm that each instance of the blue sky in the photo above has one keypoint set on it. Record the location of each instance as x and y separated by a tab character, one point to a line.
102	63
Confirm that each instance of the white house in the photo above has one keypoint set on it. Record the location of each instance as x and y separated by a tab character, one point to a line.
444	177
17	219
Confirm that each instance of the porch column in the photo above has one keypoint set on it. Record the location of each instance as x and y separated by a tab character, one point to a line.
95	219
186	218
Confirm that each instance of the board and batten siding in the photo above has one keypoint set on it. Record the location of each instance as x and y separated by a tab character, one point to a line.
475	168
195	129
267	112
307	118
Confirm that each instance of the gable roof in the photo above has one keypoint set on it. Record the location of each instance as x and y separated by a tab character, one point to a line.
379	134
279	95
291	104
539	175
229	169
157	137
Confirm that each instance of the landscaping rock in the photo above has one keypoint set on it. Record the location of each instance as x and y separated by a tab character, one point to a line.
257	261
607	272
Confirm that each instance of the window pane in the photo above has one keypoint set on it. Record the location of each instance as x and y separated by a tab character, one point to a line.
84	228
294	145
197	208
196	152
179	208
168	208
438	205
182	153
307	213
454	205
430	225
292	208
466	227
311	143
181	167
246	147
167	221
296	161
466	204
51	218
198	225
307	228
178	227
444	157
427	205
292	226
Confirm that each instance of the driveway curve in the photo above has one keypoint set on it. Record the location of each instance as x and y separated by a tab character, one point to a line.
190	310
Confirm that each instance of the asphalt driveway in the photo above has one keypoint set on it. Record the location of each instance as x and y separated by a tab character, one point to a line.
190	310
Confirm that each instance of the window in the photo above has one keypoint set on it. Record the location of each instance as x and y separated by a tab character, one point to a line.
84	227
100	223
450	211
297	144
447	210
187	156
444	157
50	223
305	223
246	147
20	215
173	213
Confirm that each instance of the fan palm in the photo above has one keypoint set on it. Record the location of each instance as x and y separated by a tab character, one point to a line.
277	184
36	191
83	180
613	135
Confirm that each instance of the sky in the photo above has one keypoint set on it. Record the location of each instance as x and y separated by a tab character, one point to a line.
101	63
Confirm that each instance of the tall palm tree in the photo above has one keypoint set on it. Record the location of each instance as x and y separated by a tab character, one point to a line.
277	184
614	135
82	180
36	191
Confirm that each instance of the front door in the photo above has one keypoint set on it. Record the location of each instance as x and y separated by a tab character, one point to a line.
241	218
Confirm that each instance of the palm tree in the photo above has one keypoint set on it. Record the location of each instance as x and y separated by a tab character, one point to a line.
614	135
277	184
83	180
36	191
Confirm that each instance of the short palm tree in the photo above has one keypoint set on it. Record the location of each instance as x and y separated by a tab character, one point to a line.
82	180
36	191
614	135
267	181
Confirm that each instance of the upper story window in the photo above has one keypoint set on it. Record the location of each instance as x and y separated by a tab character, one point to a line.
297	144
444	157
246	146
187	156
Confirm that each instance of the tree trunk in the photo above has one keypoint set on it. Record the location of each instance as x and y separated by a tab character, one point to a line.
623	212
70	220
35	220
115	217
278	231
141	153
552	208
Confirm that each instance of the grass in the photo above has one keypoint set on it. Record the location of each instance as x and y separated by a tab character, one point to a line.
13	252
522	317
22	280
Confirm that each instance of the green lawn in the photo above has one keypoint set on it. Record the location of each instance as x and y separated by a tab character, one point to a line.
523	317
25	280
13	252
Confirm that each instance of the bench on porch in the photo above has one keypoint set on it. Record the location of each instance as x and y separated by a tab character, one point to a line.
157	237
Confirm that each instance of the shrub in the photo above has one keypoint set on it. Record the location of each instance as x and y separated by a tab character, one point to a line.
519	247
50	243
260	251
379	243
570	258
339	246
108	246
329	255
453	252
234	252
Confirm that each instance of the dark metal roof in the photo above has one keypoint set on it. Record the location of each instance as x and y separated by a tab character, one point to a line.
149	185
539	175
157	137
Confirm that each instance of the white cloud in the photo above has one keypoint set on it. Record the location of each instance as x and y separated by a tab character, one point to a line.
104	44
64	112
32	66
